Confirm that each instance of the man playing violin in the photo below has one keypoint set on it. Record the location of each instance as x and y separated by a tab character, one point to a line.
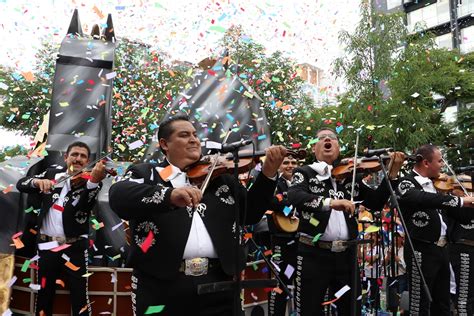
182	238
64	219
326	211
426	213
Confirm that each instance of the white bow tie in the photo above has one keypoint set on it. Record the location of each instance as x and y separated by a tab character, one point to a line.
423	180
323	170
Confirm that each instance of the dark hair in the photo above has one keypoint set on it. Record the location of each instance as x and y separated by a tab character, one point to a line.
425	152
78	144
326	129
165	130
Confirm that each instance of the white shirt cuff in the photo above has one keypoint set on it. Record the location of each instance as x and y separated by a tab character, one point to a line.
91	185
326	204
273	178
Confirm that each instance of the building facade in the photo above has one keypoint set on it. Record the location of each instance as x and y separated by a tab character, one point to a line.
451	21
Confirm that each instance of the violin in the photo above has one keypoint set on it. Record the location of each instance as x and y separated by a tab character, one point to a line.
346	167
448	184
198	172
81	178
462	186
364	165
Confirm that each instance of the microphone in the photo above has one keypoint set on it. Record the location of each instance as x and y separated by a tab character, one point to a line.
376	152
464	169
227	148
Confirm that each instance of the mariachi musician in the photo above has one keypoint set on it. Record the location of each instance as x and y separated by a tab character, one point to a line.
461	253
64	220
324	205
182	237
427	213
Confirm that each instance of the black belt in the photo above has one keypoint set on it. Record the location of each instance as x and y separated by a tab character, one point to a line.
336	245
60	240
442	242
466	242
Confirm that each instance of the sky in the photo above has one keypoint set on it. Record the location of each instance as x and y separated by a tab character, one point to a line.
187	30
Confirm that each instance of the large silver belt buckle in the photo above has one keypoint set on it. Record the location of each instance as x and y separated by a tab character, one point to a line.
338	246
196	266
60	240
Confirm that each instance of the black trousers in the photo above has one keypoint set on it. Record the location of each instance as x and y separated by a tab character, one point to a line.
51	265
179	296
284	248
434	262
318	270
462	261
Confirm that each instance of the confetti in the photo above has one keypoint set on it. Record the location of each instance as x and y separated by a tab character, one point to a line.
147	242
71	266
154	309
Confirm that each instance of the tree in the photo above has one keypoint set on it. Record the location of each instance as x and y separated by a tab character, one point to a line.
143	91
145	86
275	79
460	146
26	96
9	152
396	91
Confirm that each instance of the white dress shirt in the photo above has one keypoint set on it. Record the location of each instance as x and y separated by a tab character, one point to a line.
337	227
428	186
199	242
53	222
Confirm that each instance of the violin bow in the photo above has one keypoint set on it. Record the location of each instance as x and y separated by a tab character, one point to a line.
455	176
354	171
205	183
355	166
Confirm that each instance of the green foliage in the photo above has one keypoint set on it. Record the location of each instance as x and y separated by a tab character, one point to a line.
9	152
274	78
399	85
461	142
145	87
25	97
143	91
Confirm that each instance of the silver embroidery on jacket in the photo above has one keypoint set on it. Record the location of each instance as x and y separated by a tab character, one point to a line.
225	188
142	230
297	178
316	189
314	203
420	219
157	197
404	186
306	215
453	202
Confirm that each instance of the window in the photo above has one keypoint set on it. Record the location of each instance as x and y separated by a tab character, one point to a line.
467	39
465	8
444	41
393	4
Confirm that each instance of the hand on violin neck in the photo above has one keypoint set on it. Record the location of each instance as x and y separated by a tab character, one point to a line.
186	196
396	162
98	172
274	156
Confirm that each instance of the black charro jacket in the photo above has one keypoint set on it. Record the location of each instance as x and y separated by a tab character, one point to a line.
143	198
78	203
420	209
307	193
